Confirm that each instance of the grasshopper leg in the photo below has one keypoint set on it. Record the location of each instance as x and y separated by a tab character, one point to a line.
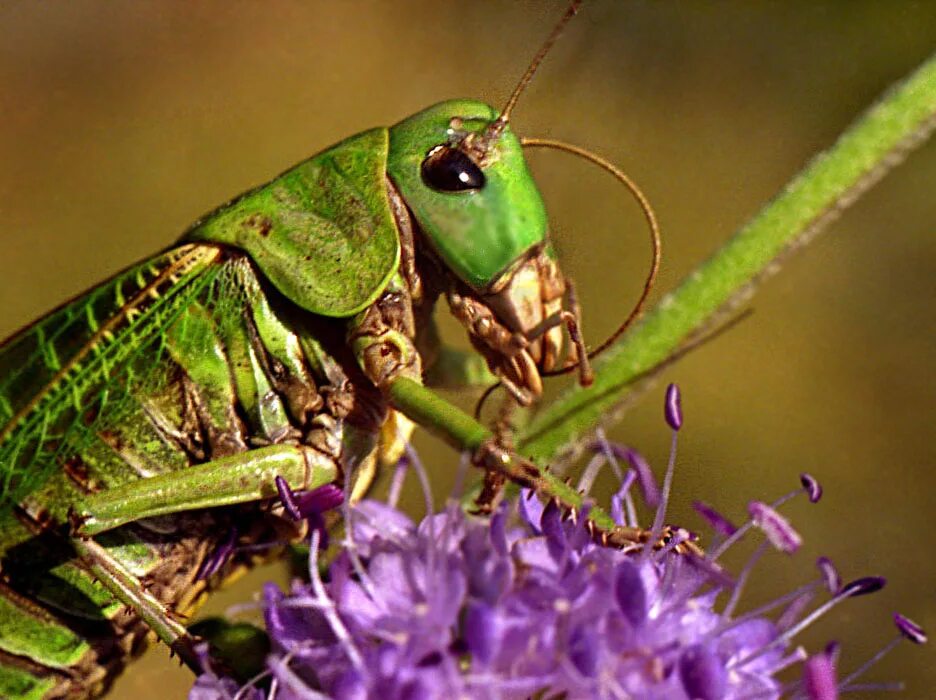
240	478
128	589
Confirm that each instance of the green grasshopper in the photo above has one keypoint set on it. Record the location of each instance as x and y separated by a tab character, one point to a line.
287	334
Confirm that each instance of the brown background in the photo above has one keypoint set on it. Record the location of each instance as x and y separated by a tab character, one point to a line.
120	123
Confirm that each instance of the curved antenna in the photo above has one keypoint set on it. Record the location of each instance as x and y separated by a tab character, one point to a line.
496	127
656	244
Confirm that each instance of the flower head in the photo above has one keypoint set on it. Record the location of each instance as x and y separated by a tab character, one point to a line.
529	603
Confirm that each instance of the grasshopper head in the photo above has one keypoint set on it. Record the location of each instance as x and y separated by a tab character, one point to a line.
475	202
481	212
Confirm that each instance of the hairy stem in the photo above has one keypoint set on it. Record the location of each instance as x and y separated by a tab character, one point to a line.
878	141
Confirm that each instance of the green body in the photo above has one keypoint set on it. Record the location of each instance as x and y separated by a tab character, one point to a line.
159	406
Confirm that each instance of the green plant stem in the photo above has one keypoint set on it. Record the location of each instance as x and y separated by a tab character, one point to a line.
869	149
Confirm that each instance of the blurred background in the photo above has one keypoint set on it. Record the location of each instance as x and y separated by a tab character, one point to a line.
120	123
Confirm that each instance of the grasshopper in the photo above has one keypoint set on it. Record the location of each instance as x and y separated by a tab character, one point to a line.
287	334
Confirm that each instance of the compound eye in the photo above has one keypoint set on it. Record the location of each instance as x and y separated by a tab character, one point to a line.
447	169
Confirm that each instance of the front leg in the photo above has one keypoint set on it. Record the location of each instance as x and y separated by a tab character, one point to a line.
460	430
382	339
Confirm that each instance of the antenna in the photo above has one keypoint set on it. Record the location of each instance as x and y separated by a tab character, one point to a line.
496	128
655	242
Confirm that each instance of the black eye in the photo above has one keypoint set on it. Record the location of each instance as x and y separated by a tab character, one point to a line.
449	170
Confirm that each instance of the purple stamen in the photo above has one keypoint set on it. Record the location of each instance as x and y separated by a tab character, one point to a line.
795	609
590	473
327	606
308	503
777	528
321	500
396	482
788	598
530	509
423	477
528	602
657	530
812	487
862	586
219	557
458	487
830	575
288	498
819	678
612	451
672	407
715	573
622	505
672	399
909	629
717	521
715	552
742	578
648	485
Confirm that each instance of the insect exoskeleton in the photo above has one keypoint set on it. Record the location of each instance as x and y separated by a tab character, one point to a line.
266	344
145	425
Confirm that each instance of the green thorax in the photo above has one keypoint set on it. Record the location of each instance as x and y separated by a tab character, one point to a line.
479	233
322	232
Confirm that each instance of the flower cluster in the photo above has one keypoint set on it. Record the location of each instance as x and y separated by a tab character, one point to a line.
526	603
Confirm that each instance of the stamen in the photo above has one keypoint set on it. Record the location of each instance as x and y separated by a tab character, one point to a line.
717	521
423	477
648	485
287	498
609	449
861	586
819	678
792	596
830	574
464	461
396	482
777	528
590	473
672	407
658	520
350	546
812	486
795	609
626	515
742	578
716	552
623	511
328	607
219	557
909	629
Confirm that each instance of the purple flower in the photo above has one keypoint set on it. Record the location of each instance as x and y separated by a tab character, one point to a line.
528	603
